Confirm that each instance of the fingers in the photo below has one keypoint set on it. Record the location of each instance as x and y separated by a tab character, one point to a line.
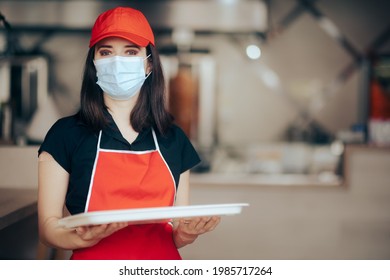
98	232
199	225
115	227
91	232
212	223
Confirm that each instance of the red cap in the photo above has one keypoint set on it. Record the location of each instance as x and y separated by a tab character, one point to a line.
123	22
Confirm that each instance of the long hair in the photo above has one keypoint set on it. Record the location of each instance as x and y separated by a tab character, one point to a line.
150	109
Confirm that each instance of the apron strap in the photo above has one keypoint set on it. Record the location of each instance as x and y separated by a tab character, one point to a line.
93	173
155	140
98	143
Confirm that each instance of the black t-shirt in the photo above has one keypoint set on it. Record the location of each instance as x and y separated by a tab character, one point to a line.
73	145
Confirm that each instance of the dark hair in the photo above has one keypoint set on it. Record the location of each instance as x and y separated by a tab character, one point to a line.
149	110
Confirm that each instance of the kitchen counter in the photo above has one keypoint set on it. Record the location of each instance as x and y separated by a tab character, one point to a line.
16	204
237	179
293	217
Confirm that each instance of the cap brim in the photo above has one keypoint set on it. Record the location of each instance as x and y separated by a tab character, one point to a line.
139	41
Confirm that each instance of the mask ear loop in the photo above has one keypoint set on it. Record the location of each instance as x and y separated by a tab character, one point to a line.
150	71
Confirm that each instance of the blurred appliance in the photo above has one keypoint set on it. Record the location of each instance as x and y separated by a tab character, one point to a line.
214	16
23	88
192	99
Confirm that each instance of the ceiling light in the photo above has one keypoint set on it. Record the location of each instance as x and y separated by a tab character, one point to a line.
228	2
253	52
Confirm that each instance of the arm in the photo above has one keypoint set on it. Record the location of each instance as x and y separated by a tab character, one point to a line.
185	231
52	186
183	190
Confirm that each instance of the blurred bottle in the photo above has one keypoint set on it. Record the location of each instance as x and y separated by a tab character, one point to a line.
379	123
183	101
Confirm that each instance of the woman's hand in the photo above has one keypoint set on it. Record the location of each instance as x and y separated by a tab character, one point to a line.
91	235
187	230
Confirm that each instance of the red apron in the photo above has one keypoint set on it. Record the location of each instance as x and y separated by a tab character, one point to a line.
131	179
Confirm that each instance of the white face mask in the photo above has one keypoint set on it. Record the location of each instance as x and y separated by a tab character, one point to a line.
120	77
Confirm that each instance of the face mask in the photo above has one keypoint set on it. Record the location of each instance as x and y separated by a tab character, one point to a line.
120	77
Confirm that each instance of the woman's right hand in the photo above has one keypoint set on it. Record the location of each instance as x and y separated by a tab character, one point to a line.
52	188
91	235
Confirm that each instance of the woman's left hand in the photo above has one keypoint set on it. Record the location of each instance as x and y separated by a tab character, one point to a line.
188	229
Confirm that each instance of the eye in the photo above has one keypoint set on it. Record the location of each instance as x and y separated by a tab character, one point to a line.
104	52
132	52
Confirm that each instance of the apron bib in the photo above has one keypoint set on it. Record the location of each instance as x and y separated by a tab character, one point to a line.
131	179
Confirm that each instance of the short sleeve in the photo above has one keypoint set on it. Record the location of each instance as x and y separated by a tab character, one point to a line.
189	155
59	142
178	151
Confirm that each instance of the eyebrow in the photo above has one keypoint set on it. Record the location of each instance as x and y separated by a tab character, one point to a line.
127	46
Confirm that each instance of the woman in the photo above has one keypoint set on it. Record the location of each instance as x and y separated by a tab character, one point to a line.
119	151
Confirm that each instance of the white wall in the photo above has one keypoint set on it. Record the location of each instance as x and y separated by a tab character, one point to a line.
19	166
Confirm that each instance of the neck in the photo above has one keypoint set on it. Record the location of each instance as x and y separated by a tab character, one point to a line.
120	109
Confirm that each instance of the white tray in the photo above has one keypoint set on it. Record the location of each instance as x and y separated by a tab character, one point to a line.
150	215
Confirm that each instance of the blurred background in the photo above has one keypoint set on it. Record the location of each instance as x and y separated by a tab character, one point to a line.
287	102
